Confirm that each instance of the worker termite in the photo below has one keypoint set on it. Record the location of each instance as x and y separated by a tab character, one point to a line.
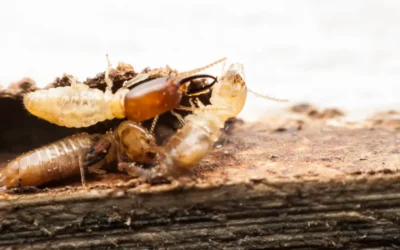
80	106
202	129
77	154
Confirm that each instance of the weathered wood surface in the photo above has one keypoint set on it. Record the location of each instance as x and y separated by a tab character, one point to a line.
302	182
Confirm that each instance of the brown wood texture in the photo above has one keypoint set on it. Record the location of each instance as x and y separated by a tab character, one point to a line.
302	181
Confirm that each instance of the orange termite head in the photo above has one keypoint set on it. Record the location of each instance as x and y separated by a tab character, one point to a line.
155	97
152	98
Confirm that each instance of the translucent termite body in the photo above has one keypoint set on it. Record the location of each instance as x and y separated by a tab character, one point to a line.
76	105
80	106
77	154
202	129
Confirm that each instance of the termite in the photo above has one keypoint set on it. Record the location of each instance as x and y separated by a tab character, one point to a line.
202	128
77	154
80	106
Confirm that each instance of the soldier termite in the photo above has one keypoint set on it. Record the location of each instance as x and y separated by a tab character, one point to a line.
80	106
77	154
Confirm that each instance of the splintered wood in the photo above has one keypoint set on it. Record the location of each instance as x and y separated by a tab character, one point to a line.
300	181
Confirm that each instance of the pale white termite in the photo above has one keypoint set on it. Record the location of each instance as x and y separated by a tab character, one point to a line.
202	129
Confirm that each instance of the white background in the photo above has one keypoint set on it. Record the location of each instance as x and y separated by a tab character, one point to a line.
342	54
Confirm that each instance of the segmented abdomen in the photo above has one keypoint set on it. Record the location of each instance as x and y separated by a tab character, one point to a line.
193	141
52	162
71	106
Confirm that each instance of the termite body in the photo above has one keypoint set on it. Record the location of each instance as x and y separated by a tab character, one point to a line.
77	154
202	129
52	162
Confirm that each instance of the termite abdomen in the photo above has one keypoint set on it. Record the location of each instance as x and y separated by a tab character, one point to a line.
53	162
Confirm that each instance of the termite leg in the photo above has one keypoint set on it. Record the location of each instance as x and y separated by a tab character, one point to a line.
134	170
145	174
192	103
96	169
179	117
199	103
82	169
131	168
199	106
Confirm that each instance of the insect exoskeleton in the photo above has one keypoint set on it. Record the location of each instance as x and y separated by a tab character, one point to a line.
78	154
80	106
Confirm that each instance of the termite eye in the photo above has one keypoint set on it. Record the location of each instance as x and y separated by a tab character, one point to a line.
151	99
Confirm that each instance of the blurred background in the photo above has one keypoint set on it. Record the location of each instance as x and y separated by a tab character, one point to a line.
342	54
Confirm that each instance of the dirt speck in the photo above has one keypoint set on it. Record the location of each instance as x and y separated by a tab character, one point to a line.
313	112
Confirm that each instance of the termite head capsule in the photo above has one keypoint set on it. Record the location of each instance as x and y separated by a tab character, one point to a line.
136	143
152	98
155	97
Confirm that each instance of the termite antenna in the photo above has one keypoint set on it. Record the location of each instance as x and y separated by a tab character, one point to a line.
195	71
267	97
138	78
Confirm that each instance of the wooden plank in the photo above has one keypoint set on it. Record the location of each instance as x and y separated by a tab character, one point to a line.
302	181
